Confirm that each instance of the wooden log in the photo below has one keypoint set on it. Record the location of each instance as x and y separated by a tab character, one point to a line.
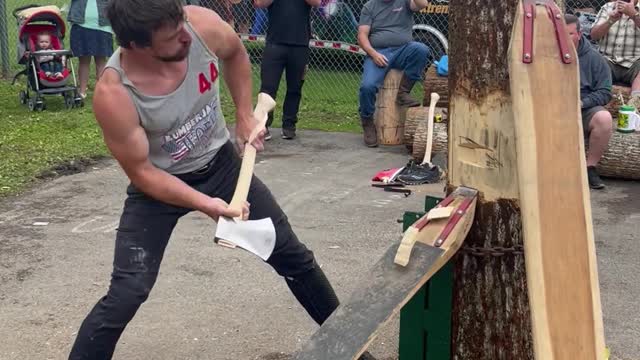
622	158
388	116
490	316
414	116
420	140
434	83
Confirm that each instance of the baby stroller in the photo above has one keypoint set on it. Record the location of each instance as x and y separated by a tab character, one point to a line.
34	20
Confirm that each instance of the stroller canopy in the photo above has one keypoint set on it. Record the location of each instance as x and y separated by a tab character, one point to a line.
50	15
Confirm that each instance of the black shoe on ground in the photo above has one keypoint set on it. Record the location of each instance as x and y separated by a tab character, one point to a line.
267	135
594	179
288	133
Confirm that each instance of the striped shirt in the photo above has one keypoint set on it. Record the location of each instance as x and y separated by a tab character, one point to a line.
621	44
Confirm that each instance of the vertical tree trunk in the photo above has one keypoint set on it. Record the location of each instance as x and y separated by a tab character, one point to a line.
491	317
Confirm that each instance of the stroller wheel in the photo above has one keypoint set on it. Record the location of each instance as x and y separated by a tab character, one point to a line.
31	104
36	104
69	101
23	97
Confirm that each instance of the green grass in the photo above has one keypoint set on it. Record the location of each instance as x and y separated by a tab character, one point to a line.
31	143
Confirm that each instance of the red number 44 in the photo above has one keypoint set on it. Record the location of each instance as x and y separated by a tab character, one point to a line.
203	82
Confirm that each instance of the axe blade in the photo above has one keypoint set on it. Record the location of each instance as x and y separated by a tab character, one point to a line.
255	236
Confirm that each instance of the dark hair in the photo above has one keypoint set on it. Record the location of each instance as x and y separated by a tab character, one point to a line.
572	19
135	20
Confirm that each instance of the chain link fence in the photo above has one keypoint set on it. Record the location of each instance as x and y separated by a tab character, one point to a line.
335	65
336	59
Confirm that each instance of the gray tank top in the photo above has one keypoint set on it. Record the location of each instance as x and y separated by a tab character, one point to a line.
185	128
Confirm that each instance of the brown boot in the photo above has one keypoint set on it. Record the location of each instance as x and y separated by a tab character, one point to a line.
404	97
370	133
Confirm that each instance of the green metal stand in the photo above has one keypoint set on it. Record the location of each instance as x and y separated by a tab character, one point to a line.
425	321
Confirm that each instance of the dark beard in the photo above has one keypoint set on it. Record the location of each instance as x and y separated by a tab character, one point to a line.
175	58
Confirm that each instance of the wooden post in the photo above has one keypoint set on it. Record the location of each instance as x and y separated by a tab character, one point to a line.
490	317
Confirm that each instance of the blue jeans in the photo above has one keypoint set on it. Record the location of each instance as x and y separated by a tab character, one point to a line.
412	58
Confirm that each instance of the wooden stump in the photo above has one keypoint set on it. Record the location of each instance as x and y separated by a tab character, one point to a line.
415	116
438	84
389	117
420	140
490	315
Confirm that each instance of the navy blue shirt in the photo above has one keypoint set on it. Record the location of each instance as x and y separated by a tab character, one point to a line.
289	22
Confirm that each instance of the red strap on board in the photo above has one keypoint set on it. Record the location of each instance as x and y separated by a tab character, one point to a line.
529	16
558	23
453	221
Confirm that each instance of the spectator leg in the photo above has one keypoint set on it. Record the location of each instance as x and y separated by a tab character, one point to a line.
600	130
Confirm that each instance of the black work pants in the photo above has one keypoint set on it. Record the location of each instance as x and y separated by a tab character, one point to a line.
277	58
142	236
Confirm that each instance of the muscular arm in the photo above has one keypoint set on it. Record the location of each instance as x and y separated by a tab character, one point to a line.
223	41
314	3
127	142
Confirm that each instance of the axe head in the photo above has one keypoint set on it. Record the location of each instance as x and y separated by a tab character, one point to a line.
256	236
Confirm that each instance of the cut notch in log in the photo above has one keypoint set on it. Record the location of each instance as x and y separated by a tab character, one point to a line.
621	160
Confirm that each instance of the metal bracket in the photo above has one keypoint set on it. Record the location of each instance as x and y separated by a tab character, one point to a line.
555	15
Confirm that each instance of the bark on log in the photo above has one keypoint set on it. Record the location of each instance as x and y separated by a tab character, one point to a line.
434	83
420	140
415	116
622	158
491	317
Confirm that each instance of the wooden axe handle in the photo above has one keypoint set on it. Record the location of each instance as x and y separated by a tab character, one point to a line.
432	109
264	105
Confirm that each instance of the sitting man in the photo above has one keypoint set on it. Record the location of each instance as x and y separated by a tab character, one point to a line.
595	92
385	34
617	30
